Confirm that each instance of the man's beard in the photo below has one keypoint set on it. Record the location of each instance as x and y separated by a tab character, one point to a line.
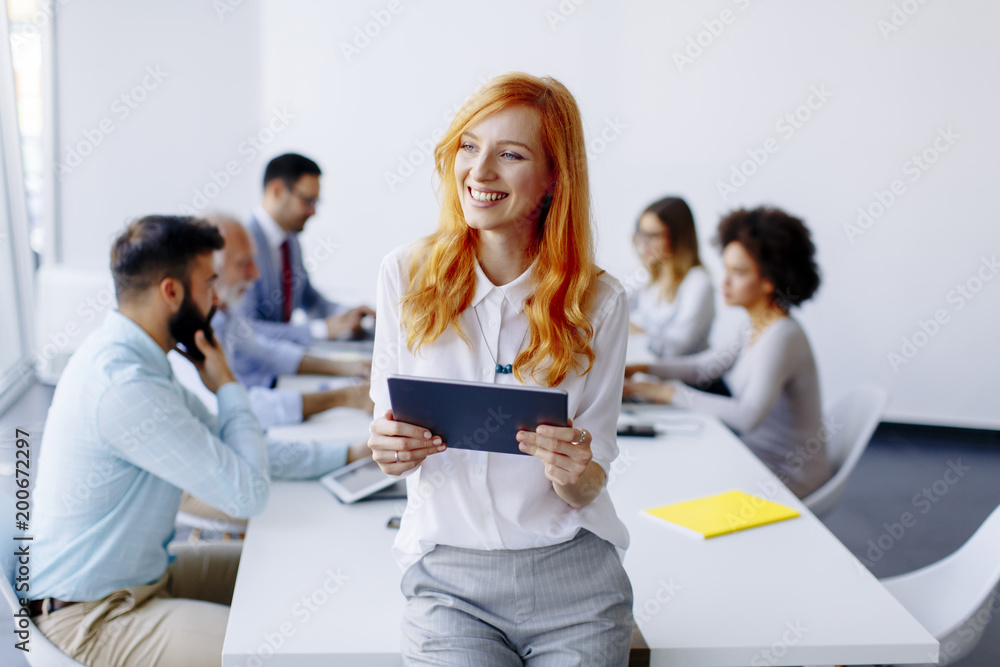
186	322
233	296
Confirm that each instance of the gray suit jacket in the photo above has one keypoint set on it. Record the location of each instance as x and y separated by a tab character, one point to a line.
264	302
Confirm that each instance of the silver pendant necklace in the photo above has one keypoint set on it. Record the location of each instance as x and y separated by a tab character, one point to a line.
500	368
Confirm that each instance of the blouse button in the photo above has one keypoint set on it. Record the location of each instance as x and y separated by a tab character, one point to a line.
479	470
486	372
493	323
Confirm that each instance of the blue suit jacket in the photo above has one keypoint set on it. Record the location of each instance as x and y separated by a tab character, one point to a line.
264	302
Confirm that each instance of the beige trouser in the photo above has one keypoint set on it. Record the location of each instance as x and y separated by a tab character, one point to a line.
178	620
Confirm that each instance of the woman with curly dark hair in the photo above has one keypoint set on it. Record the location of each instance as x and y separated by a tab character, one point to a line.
769	368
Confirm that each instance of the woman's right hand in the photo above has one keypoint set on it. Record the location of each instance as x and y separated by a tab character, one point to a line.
632	369
398	446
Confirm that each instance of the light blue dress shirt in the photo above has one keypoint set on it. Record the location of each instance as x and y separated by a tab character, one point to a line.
255	360
122	441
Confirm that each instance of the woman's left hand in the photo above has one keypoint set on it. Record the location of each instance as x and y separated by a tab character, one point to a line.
565	451
656	392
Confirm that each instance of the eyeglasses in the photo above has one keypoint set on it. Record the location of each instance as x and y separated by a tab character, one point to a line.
308	201
640	237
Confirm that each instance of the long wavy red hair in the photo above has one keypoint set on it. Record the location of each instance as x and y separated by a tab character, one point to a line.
442	271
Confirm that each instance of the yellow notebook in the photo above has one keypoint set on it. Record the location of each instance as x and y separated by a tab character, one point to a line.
722	513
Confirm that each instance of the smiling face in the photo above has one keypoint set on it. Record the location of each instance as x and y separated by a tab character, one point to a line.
743	285
502	171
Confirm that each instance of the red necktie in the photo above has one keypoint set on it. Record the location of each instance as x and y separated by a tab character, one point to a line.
286	282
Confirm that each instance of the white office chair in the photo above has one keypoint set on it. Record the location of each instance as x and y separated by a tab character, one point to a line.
43	653
955	597
854	419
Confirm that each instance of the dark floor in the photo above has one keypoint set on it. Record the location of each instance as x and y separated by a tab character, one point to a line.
900	462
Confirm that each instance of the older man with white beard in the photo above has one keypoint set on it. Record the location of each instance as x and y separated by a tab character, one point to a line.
257	361
237	271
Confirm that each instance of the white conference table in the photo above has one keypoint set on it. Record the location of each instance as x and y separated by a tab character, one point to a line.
317	583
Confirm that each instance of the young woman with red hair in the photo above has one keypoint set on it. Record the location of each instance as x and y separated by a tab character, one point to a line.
508	559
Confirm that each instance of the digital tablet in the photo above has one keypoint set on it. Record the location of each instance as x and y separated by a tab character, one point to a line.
473	415
358	480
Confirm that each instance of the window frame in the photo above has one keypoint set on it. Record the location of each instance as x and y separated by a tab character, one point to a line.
16	380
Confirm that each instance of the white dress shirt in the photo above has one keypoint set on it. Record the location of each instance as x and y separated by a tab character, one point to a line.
677	327
484	500
275	236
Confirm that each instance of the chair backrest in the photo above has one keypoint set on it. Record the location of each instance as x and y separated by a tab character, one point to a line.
954	598
976	564
850	425
9	597
853	420
42	653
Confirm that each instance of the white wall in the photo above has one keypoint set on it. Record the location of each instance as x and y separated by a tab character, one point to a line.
679	132
170	133
190	77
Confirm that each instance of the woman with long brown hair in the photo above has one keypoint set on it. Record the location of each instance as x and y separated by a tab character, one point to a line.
509	559
775	406
676	307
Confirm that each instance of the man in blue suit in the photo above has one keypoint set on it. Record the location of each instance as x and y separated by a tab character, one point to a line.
291	192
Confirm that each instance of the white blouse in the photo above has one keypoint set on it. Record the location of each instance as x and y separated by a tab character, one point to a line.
680	326
484	500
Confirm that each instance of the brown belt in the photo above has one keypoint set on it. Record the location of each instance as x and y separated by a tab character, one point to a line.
36	606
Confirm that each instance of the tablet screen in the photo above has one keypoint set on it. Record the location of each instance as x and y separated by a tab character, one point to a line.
361	478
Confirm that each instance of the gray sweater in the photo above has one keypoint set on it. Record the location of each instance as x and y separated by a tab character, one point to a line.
775	407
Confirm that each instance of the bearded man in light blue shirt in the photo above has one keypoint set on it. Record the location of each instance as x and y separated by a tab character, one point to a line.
105	588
